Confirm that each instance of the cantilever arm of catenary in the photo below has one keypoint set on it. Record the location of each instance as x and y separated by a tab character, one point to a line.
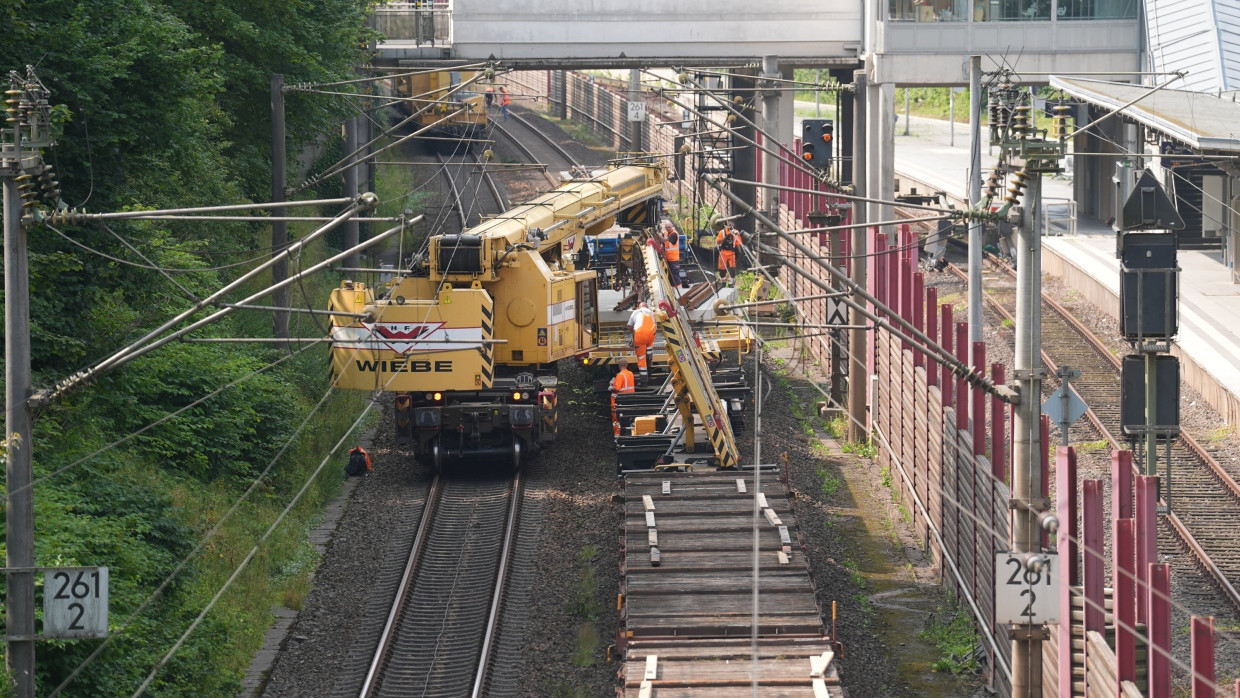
145	344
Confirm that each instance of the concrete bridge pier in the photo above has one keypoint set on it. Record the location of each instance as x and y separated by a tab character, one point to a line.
880	145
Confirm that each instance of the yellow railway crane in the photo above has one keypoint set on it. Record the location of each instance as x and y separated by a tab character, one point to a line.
468	340
692	386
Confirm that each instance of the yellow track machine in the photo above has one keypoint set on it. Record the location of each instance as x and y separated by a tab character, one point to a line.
469	337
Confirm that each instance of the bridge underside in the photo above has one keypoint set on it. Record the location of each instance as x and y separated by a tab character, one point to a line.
561	34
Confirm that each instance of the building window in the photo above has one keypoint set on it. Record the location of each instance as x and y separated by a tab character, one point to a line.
1008	10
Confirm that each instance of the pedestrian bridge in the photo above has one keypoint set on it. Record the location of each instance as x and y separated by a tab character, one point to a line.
912	42
615	33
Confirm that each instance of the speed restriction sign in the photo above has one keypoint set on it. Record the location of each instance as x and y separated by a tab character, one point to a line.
75	602
1024	595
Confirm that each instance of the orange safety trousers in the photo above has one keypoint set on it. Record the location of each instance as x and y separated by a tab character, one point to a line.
642	343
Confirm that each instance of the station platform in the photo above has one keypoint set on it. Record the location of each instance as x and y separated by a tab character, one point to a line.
1208	344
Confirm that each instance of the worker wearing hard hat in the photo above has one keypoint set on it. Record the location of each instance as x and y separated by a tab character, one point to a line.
641	338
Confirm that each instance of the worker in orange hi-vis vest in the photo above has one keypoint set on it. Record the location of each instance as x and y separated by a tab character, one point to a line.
641	338
728	242
622	383
672	254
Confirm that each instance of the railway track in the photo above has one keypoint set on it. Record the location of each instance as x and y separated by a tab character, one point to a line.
458	190
565	159
439	634
1205	499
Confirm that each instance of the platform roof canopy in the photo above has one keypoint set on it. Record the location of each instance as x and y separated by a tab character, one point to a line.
1201	120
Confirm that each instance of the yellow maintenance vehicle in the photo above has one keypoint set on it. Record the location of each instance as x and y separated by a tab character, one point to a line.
422	88
468	339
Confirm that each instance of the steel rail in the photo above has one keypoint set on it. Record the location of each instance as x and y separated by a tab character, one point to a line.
529	155
501	584
500	201
547	139
456	193
398	604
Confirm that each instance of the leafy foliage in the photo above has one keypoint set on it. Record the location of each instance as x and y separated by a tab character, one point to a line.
164	103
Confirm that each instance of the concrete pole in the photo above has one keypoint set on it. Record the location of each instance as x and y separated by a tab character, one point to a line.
975	196
770	124
951	117
635	95
279	229
19	514
559	100
880	150
350	190
907	101
858	376
1026	430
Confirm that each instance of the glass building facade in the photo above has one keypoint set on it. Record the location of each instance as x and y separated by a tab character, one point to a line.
1009	10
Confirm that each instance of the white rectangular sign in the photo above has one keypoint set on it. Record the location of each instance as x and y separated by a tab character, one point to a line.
637	111
75	602
1024	596
837	312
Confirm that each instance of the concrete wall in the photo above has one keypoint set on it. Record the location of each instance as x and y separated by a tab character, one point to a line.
603	29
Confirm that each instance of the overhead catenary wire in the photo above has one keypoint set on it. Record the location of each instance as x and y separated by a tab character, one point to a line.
254	551
219	523
914	336
984	525
151	267
148	342
257	481
905	476
250	555
352	159
779	154
123	625
315	86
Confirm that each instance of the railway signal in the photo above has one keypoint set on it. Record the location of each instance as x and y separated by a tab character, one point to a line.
817	136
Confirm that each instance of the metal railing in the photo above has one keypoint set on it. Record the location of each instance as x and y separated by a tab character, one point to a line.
1058	216
426	23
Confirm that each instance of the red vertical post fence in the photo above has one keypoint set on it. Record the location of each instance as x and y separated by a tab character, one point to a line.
1093	578
919	312
1145	512
907	244
932	331
998	439
1121	484
1202	643
962	388
979	401
1124	599
1065	494
947	321
1068	538
1159	601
